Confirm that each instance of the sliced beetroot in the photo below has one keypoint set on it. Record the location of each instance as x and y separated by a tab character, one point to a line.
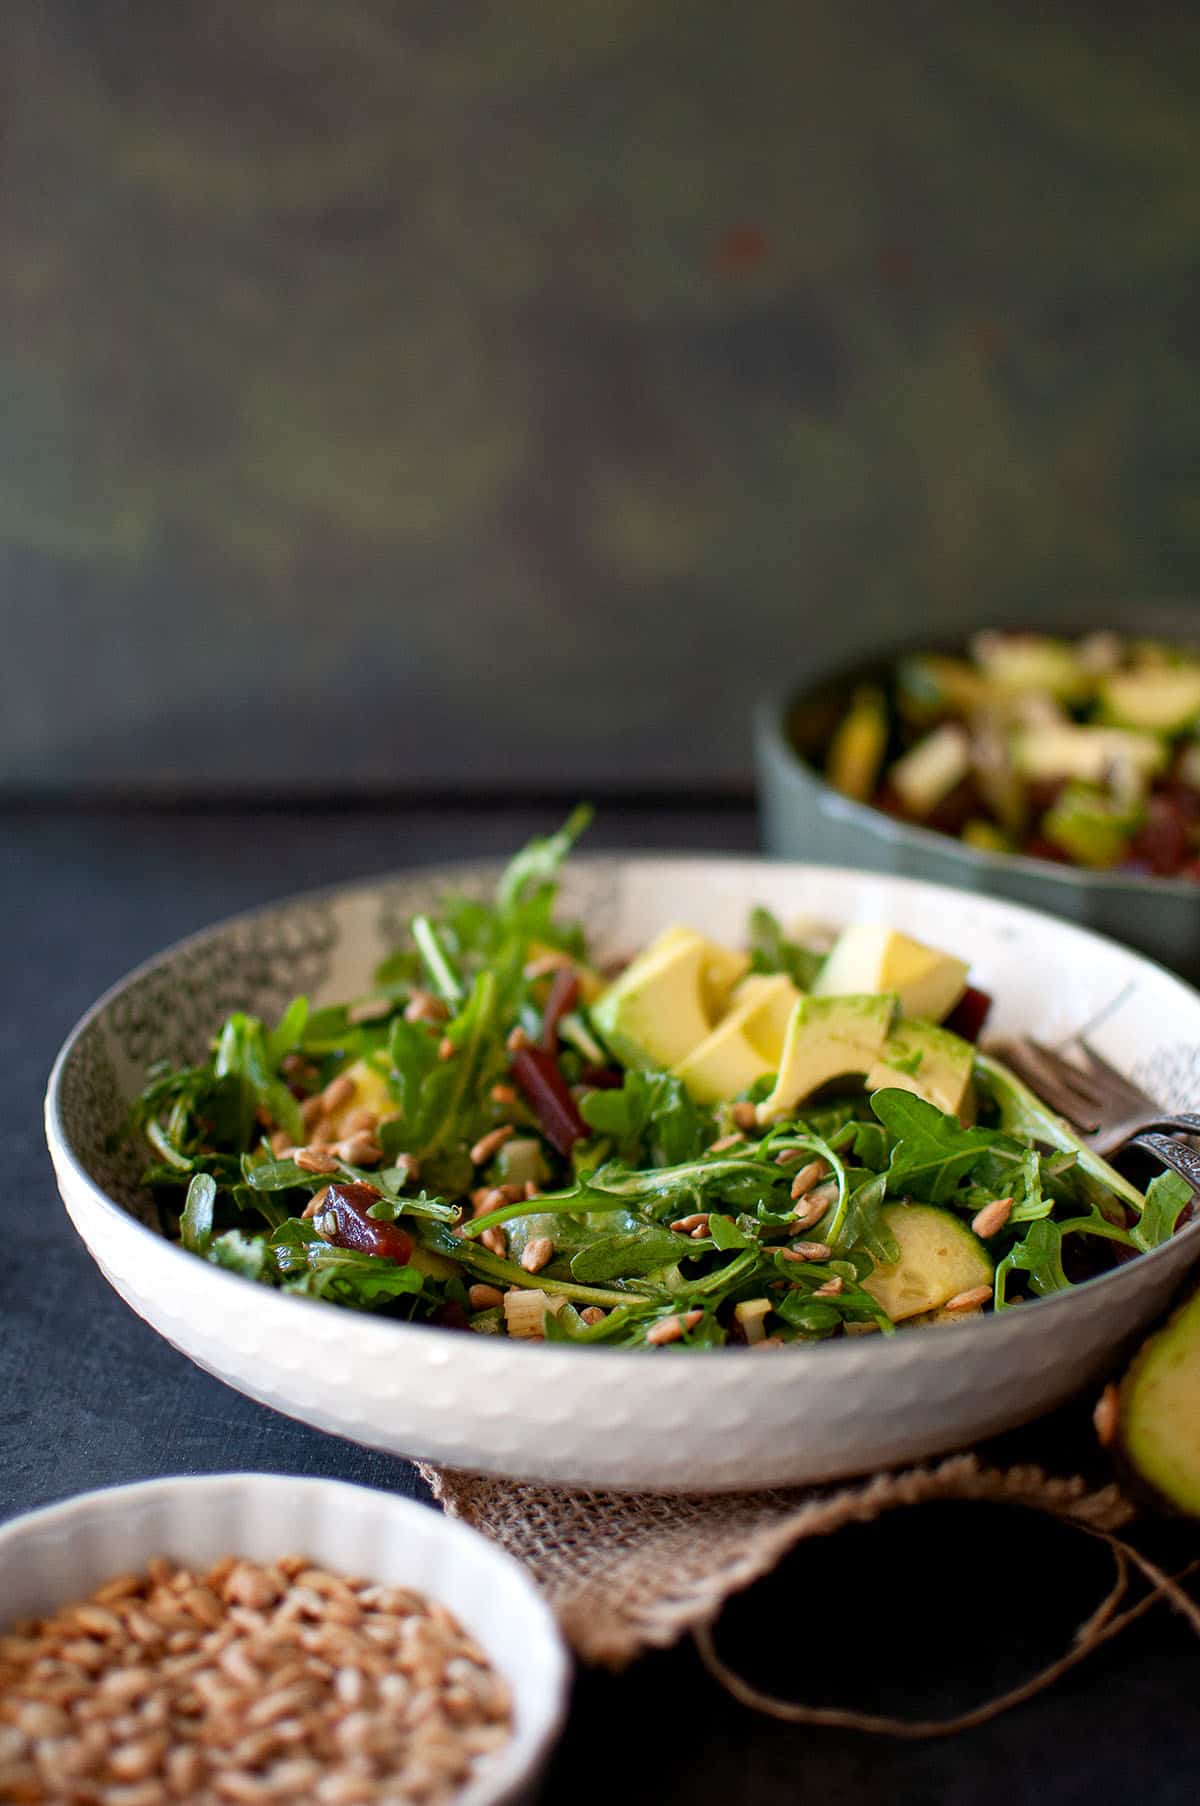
1164	841
345	1224
969	1014
603	1078
562	997
549	1097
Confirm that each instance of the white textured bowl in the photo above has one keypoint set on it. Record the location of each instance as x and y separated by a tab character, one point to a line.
49	1558
625	1419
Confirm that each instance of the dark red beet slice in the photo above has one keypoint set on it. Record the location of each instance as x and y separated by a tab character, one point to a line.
563	996
969	1014
351	1227
549	1097
603	1078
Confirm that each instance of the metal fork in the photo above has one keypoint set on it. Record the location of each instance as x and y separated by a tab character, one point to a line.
1108	1110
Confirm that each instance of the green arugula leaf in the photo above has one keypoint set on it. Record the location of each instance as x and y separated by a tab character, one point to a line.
864	1225
1039	1255
651	1118
1026	1116
288	1032
196	1220
618	1256
535	868
933	1154
245	1255
771	951
1167	1197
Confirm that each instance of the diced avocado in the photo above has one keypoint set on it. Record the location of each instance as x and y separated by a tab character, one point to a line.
857	748
870	957
827	1038
727	1061
370	1093
1159	701
1032	661
1093	827
996	777
522	1162
930	1061
1158	1411
987	837
929	684
1086	753
428	1260
776	997
930	770
939	1258
654	1014
723	966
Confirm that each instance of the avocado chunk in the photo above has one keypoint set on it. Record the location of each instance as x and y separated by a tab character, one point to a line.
929	684
370	1093
1032	662
722	968
827	1038
727	1061
776	997
1091	826
1157	701
1086	753
927	1060
870	957
940	1256
655	1013
857	748
930	770
1158	1411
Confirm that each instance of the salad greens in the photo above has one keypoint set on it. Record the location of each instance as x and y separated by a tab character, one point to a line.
461	1147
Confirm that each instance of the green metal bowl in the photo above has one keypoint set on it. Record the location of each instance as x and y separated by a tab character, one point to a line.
803	817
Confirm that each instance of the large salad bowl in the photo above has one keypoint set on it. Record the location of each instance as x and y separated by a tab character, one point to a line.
645	1419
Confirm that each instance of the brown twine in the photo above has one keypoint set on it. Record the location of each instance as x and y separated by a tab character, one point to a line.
628	1572
1101	1627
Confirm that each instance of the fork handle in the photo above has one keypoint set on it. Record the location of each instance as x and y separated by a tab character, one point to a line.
1176	1154
1182	1122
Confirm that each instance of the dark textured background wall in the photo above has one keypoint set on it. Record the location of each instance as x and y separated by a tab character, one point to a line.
502	391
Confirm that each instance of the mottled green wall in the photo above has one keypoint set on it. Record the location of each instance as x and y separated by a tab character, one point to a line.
505	390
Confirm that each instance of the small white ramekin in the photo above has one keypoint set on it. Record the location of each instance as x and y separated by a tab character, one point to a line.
50	1557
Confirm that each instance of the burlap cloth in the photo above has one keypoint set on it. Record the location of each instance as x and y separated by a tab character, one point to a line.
629	1572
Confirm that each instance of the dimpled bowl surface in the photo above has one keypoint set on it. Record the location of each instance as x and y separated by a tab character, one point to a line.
670	1419
63	1553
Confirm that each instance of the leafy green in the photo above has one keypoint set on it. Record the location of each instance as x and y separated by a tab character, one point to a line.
651	1118
771	951
196	1221
1023	1115
1167	1197
648	1160
933	1154
1040	1255
619	1256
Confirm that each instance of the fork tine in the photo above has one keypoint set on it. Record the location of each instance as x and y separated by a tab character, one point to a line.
1121	1092
1175	1154
1052	1078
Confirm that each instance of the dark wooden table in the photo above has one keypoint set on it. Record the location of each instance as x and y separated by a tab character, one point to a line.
922	1613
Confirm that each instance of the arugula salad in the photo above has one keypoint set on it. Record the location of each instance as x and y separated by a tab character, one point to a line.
781	1143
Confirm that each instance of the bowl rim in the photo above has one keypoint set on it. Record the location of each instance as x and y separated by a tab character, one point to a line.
774	744
531	1741
848	1351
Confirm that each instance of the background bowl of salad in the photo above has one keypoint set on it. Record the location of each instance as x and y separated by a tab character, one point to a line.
1059	769
753	1211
